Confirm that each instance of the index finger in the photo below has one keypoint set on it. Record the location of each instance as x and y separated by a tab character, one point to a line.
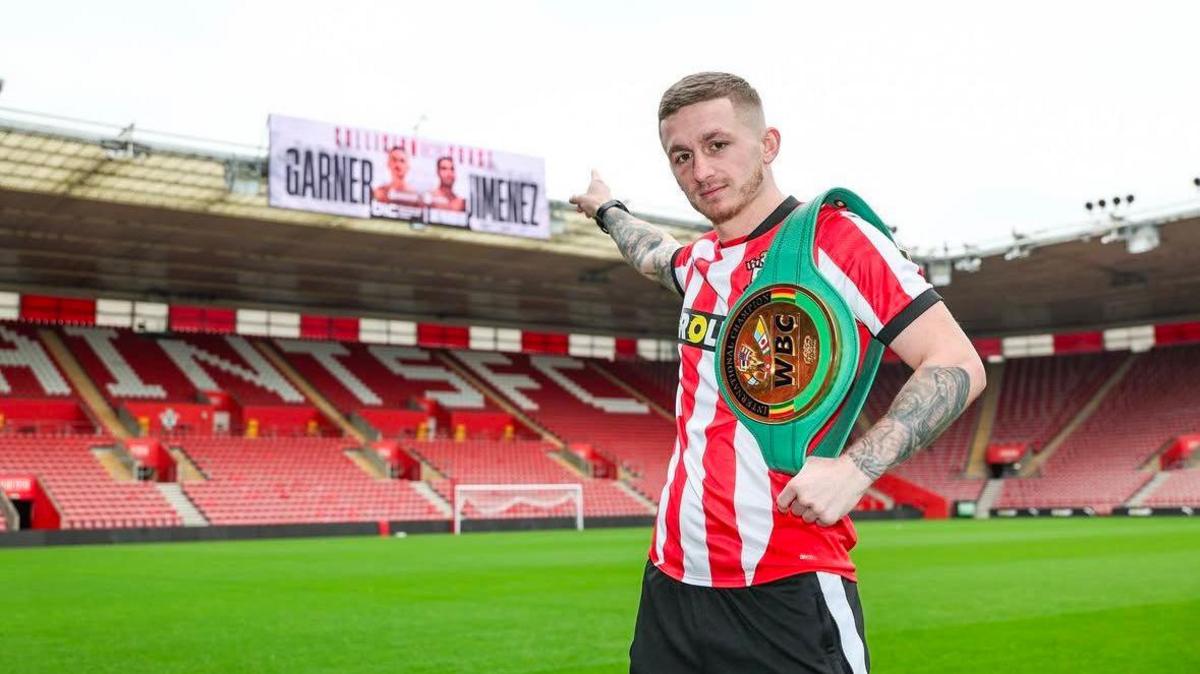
786	496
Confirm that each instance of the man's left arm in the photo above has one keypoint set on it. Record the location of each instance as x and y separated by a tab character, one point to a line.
947	376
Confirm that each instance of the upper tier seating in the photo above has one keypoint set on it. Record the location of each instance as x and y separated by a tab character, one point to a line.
129	366
126	365
1040	395
26	368
354	376
657	380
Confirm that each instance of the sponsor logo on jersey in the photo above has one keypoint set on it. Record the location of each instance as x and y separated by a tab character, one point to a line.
699	329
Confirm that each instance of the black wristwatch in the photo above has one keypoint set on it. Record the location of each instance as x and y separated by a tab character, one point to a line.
611	203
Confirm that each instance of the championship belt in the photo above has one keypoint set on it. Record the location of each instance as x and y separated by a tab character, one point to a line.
787	356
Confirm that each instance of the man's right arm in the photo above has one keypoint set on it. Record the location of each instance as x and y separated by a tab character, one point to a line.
646	247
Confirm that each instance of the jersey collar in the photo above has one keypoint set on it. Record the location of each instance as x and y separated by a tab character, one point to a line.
768	223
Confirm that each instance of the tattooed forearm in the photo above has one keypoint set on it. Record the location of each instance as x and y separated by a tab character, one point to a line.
645	246
931	399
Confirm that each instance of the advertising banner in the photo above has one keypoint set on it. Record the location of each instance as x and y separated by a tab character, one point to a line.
362	173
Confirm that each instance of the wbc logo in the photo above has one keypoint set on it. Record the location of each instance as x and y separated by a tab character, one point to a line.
780	354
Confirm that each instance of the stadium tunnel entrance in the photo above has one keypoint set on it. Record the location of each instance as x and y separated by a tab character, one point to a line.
24	509
25	504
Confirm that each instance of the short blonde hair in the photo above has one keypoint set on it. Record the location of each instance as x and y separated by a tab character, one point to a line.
708	86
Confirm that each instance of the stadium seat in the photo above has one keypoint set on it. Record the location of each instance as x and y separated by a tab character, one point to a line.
1100	464
639	440
521	462
85	494
295	480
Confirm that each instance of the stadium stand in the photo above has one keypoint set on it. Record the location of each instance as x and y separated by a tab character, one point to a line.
297	479
656	380
85	495
528	462
137	372
1099	465
126	365
230	363
1181	488
387	386
576	404
35	396
294	480
1040	395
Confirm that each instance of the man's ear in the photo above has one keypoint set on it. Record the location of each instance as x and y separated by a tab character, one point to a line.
770	144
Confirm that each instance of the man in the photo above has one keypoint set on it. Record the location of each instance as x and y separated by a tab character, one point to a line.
749	568
397	191
444	197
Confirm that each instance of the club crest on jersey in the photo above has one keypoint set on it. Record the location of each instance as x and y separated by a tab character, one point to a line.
755	265
700	329
779	355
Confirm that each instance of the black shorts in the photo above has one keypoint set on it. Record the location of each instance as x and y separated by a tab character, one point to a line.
811	622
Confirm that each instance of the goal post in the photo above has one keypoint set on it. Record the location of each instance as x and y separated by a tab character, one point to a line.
511	501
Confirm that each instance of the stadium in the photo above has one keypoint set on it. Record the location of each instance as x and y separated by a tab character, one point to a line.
266	405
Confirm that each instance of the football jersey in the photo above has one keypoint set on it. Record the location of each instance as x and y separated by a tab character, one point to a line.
717	524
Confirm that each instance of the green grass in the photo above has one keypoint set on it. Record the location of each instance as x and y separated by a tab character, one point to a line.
1105	595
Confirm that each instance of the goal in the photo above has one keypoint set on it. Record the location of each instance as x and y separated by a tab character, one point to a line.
514	501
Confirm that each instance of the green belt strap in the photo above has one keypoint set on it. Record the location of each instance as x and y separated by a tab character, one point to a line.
787	356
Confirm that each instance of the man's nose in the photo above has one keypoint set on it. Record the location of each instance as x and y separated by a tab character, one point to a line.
701	169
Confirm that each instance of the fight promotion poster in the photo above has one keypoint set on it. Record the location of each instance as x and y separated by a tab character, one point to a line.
363	173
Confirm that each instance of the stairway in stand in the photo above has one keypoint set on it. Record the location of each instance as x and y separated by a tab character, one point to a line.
988	497
191	516
1147	490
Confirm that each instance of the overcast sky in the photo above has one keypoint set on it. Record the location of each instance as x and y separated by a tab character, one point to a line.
958	121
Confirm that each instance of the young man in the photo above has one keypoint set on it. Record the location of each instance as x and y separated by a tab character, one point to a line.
749	568
397	190
444	197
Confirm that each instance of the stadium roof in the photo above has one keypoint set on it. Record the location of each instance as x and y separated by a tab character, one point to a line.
139	215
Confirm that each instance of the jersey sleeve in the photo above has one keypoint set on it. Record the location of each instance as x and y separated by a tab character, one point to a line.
885	290
681	264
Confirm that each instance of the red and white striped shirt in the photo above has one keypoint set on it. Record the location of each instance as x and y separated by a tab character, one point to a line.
717	524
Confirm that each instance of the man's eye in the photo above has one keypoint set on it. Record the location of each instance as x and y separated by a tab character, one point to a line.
682	158
717	146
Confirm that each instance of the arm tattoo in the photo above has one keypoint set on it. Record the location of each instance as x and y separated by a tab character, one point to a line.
645	246
931	399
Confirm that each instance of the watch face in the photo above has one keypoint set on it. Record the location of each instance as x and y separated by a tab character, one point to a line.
780	354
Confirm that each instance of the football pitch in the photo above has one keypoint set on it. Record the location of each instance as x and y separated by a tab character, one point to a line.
1102	595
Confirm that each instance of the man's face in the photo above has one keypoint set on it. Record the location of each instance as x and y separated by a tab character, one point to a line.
398	164
445	171
716	155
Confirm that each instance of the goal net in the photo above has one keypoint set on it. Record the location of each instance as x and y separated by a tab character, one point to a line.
517	501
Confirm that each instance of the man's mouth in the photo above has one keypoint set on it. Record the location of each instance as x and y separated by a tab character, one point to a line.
711	192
